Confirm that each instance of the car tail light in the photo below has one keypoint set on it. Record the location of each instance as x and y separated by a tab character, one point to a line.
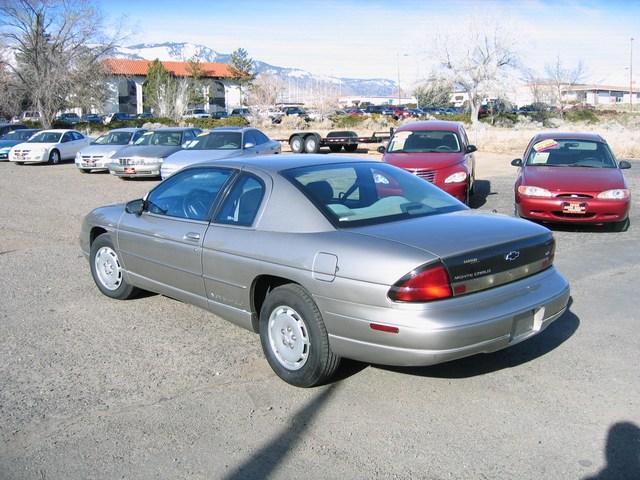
422	285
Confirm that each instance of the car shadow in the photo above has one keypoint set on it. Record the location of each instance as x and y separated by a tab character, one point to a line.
568	227
481	190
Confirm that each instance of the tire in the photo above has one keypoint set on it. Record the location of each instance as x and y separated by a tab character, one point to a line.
351	148
335	148
297	144
467	195
311	144
83	170
107	271
622	226
289	318
54	157
19	163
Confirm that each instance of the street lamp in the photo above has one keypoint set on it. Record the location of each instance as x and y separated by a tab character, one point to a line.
398	64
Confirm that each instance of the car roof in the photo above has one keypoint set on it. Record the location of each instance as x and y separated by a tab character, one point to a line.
60	130
231	129
277	163
173	129
594	137
126	129
444	125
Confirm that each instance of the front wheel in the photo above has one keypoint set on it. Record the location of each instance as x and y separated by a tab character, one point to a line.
294	338
54	157
107	270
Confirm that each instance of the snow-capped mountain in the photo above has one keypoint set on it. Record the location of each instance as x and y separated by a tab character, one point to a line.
296	82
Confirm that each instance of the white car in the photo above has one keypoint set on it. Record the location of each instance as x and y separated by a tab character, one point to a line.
98	155
50	146
196	113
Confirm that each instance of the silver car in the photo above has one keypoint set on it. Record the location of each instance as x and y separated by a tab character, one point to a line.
329	257
144	158
218	144
97	156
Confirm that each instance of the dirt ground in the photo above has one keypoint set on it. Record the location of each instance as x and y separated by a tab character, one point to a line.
153	388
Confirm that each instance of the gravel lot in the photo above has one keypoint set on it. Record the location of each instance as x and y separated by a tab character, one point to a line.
153	388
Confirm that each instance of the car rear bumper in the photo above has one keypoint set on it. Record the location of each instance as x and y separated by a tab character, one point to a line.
551	210
449	329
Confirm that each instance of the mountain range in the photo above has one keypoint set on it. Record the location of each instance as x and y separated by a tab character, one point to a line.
297	83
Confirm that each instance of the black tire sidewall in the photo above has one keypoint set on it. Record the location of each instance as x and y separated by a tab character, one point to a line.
125	290
313	371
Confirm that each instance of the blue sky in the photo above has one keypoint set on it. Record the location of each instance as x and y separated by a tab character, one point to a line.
373	38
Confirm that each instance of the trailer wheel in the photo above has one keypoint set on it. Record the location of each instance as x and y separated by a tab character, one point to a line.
335	148
311	144
296	144
351	148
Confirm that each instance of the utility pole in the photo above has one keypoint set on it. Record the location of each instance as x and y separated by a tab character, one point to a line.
631	75
398	64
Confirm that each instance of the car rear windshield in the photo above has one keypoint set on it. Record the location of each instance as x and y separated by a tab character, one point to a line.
355	194
570	153
45	137
113	138
160	138
217	141
423	141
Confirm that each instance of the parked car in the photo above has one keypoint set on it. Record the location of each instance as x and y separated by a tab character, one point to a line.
218	144
328	257
437	151
144	158
10	127
144	115
98	155
118	117
28	116
68	118
13	138
241	112
379	109
196	113
92	118
50	146
572	178
219	115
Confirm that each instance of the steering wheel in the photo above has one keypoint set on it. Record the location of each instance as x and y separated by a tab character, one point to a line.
195	204
590	161
443	148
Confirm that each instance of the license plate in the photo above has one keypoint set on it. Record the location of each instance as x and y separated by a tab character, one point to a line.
574	207
129	170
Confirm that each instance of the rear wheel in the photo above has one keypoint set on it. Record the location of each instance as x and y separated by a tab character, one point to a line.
311	144
296	144
294	338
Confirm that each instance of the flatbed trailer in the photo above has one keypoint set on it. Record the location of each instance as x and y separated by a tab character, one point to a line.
312	142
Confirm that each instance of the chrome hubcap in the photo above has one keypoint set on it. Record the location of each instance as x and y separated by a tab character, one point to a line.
288	337
108	269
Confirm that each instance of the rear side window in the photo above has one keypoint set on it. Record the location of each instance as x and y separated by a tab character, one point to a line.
243	202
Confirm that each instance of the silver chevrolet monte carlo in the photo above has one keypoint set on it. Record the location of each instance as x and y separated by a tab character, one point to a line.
328	257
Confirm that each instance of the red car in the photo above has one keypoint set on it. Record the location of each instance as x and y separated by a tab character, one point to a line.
437	151
573	178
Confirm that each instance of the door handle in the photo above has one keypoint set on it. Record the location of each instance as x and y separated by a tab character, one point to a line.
192	236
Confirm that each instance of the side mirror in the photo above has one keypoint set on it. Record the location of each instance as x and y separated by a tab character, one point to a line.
471	148
249	145
381	149
623	165
135	207
517	162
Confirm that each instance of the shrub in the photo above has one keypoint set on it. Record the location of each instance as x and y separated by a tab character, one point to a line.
347	121
503	119
458	117
206	123
581	115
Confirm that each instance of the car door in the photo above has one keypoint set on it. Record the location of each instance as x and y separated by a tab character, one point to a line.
79	142
162	248
66	146
249	138
264	146
229	244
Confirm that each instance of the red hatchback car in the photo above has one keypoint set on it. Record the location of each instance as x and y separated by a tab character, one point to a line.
573	178
437	151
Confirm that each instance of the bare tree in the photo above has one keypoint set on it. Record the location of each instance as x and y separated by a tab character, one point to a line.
435	93
563	78
477	60
265	90
58	46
